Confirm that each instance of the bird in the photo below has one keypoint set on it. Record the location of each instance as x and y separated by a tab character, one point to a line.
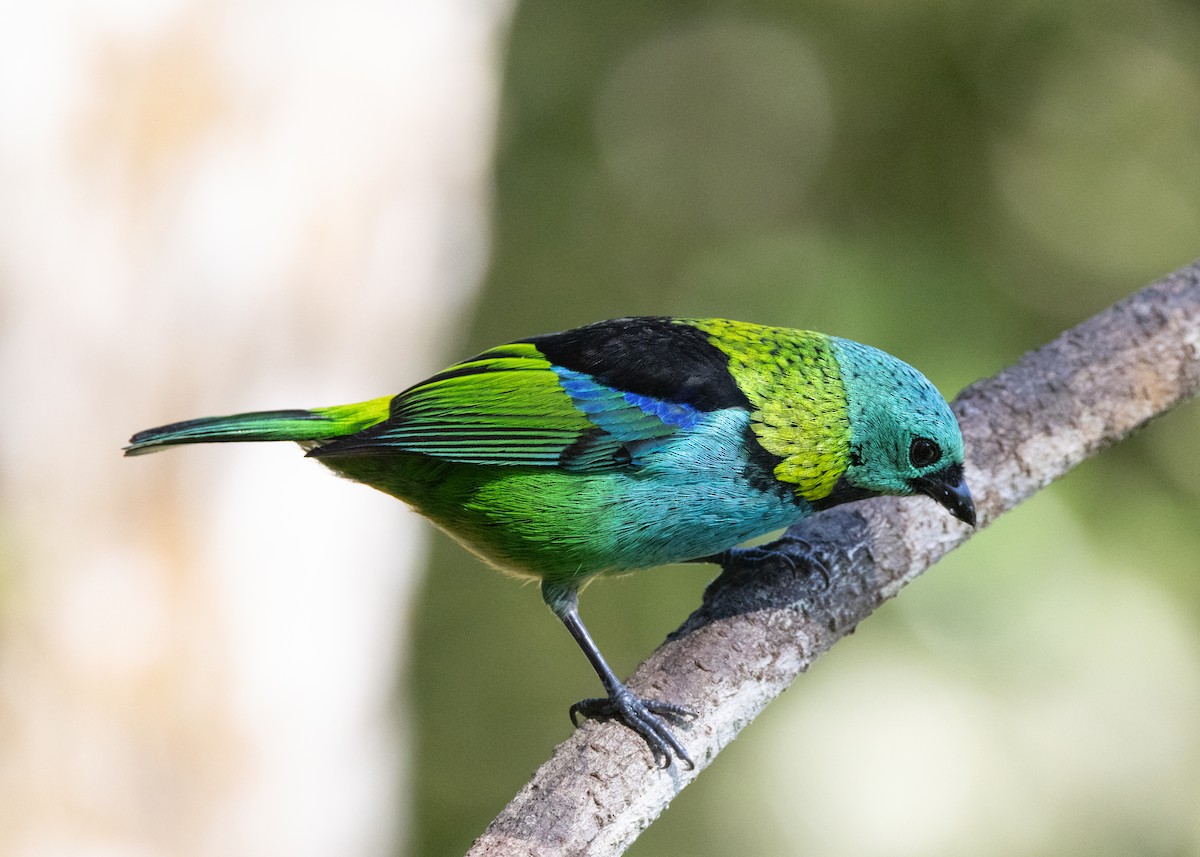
628	444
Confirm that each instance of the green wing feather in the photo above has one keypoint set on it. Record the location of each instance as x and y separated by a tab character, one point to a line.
512	406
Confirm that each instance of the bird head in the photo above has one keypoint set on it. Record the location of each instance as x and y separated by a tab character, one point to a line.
904	439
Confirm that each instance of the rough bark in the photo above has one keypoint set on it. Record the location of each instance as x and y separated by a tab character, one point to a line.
754	634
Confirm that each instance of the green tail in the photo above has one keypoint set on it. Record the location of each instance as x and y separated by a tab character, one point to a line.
300	426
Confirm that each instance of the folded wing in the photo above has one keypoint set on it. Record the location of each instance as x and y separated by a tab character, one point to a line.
512	406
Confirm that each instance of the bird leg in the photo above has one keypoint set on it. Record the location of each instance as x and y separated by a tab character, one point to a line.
643	716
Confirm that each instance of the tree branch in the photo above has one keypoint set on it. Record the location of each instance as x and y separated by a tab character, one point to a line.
755	633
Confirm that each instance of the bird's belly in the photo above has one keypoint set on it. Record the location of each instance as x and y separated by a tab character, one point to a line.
558	526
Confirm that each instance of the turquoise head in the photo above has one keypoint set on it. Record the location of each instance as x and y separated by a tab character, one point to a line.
903	437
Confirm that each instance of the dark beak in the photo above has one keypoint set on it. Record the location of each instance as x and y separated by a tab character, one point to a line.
949	488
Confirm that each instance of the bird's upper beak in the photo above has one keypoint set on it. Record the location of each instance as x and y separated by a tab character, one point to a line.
949	487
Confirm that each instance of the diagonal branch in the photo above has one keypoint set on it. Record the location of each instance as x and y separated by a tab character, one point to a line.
754	634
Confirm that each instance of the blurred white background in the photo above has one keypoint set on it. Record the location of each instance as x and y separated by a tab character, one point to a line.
210	207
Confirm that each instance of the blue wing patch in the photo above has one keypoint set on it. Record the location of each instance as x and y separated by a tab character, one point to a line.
628	424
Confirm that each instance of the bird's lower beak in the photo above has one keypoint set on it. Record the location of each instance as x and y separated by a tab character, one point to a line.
949	488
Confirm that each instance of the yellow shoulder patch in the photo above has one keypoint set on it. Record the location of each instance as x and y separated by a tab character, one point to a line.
795	388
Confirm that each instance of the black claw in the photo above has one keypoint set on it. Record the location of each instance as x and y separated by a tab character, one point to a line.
643	716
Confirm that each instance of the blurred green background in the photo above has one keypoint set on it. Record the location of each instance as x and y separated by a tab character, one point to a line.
955	183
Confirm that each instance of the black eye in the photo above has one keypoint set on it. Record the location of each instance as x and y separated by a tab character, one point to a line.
923	452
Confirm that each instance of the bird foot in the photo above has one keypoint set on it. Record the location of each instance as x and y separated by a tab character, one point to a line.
801	559
643	716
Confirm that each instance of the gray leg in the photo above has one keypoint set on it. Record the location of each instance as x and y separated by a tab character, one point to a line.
640	715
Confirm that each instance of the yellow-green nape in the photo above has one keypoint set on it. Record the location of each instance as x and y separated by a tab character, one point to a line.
794	385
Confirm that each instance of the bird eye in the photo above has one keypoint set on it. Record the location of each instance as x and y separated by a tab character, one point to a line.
923	452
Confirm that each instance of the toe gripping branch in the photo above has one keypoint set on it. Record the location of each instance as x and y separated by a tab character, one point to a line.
801	559
647	717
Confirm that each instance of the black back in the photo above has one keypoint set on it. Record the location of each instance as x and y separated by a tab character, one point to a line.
649	356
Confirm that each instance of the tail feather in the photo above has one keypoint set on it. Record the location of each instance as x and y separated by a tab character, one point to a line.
295	425
263	425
